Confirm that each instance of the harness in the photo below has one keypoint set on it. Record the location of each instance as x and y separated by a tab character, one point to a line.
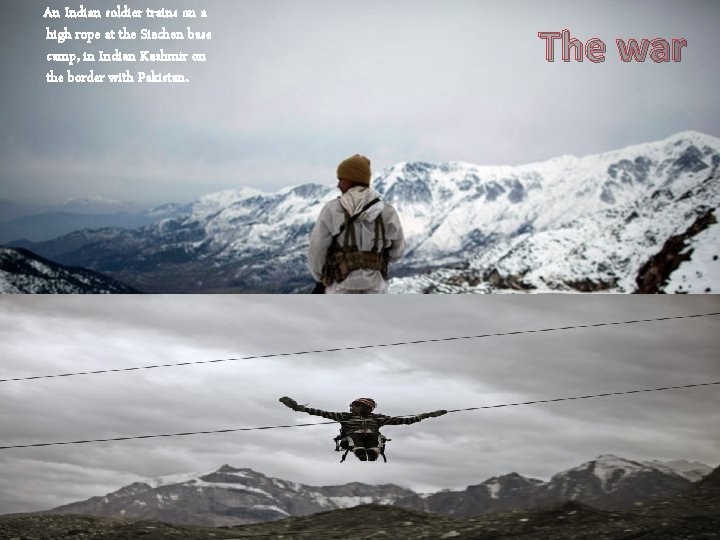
344	441
341	260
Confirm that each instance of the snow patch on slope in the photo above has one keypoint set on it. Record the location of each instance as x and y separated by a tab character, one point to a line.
700	274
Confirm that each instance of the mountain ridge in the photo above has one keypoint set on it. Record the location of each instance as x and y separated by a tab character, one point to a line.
21	271
231	496
586	224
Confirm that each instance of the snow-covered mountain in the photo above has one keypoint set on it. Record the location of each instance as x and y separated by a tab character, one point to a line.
497	494
231	496
612	482
691	470
639	219
228	496
607	482
24	272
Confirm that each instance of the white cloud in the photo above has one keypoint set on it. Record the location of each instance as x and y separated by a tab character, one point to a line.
291	88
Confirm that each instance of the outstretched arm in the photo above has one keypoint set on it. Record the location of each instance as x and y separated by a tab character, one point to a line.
396	420
289	402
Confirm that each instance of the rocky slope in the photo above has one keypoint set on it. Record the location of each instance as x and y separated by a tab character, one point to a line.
639	219
24	272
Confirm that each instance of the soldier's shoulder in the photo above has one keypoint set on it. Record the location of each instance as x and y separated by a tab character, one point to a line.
332	203
388	208
332	207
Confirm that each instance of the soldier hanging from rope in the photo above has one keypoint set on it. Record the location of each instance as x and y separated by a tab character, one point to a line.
360	428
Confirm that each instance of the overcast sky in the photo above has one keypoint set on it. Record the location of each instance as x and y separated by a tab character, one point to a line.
58	334
292	87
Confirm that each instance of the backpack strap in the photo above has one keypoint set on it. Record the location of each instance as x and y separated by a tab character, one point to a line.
350	239
343	438
348	232
379	233
351	219
382	439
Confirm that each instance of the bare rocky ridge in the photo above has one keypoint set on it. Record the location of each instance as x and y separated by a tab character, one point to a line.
653	275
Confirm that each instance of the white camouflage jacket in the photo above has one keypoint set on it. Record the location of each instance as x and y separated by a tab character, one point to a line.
332	218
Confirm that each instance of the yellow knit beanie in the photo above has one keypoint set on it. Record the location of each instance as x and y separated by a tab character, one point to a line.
355	169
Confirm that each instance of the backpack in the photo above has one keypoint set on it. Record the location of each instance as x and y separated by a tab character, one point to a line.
344	442
341	260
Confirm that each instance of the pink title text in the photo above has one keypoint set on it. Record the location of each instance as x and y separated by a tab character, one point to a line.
631	49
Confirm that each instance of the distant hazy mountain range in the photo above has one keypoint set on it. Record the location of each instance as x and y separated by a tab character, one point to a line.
230	496
639	219
36	223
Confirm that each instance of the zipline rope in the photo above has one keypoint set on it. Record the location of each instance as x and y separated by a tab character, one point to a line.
416	342
322	423
584	397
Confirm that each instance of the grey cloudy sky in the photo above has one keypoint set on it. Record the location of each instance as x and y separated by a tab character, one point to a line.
58	334
292	87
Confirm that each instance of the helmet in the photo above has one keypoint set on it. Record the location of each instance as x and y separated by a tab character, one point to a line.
368	402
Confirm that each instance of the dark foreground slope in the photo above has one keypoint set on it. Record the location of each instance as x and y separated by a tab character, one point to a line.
57	526
370	522
695	519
